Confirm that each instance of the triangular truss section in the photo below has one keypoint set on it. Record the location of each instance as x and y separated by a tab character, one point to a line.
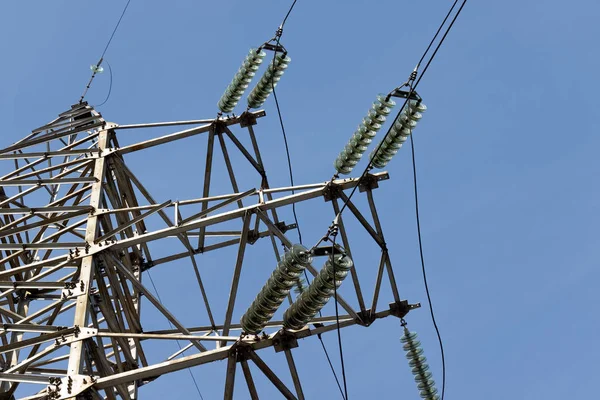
78	229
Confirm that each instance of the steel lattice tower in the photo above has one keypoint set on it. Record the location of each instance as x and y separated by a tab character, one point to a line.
75	243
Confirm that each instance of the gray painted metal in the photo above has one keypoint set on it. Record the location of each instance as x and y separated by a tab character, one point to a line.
80	257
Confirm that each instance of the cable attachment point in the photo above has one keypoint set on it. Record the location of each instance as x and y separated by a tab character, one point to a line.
401	308
413	74
334	228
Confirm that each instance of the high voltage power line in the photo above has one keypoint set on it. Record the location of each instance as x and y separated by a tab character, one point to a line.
279	34
96	68
412	88
303	309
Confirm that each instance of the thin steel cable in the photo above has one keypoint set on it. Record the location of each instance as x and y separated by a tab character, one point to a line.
337	317
337	381
437	33
104	51
411	92
437	331
116	27
109	86
177	341
287	15
369	166
440	43
331	366
289	162
285	141
291	173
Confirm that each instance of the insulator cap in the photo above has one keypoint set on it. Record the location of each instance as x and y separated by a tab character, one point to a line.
241	80
418	362
400	131
274	292
365	133
269	80
318	293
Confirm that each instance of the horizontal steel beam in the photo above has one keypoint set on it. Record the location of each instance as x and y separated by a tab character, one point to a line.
31	328
210	356
238	213
47	138
148	336
25	378
43	210
59	181
162	124
183	134
31	285
279	323
40	246
257	114
90	153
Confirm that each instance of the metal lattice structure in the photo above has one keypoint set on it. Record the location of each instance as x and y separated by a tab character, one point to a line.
75	241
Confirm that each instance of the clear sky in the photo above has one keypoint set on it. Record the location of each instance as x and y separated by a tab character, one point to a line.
506	153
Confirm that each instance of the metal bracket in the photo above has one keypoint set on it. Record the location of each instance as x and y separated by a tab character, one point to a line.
146	265
401	308
75	289
284	340
252	237
331	192
404	94
69	386
95	301
368	182
247	119
79	334
135	259
241	351
272	47
326	250
219	127
366	317
284	228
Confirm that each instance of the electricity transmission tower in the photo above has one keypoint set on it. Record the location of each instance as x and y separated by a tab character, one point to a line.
79	229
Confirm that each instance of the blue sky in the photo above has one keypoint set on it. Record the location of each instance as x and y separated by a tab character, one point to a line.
506	158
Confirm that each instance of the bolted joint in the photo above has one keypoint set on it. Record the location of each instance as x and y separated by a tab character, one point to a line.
241	351
284	340
322	251
365	318
367	183
252	237
332	192
145	265
247	119
130	366
219	127
284	228
71	386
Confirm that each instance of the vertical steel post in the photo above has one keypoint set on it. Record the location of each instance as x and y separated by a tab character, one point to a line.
87	263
